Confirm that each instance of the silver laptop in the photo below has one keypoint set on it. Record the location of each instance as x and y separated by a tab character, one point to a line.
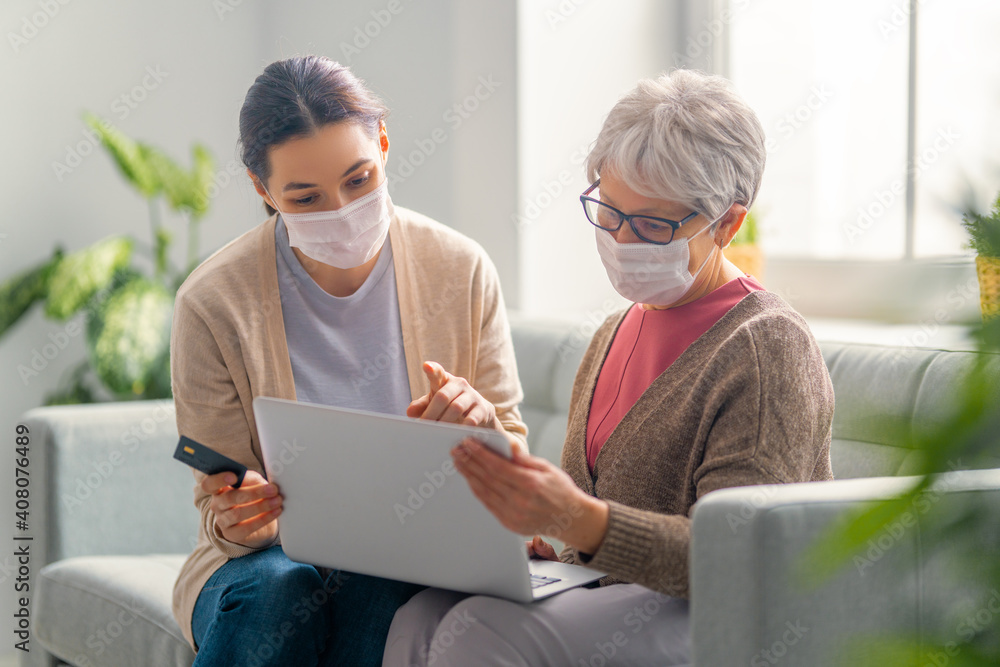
379	494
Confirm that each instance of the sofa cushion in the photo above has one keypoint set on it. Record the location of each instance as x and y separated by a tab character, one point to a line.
110	610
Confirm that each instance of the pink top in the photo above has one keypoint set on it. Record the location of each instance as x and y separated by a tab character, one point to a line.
647	342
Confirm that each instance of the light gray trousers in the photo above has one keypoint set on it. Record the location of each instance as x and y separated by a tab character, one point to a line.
621	624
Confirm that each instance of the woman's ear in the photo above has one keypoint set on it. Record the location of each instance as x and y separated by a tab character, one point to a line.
259	187
383	140
730	224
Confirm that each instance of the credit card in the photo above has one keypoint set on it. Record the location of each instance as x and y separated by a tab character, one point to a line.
207	460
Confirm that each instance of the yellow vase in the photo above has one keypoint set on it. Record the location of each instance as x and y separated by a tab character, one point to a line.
748	258
988	269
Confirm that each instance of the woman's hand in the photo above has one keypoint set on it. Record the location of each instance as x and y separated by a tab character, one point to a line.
539	548
245	515
529	495
452	399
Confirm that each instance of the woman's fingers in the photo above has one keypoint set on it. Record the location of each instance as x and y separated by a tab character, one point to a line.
232	516
217	482
245	495
524	458
456	411
243	530
220	481
523	498
492	466
441	401
451	399
475	416
416	408
473	461
254	498
543	549
437	375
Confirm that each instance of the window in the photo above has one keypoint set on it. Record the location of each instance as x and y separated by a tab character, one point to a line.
881	116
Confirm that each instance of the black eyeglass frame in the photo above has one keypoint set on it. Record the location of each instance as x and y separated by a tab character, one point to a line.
622	217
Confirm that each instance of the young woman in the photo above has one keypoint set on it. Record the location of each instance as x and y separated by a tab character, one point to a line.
706	381
339	298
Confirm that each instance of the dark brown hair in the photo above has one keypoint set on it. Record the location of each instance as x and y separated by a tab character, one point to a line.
295	98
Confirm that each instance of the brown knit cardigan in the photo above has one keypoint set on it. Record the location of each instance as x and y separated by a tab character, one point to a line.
749	402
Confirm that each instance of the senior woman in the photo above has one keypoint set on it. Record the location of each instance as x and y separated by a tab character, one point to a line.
707	381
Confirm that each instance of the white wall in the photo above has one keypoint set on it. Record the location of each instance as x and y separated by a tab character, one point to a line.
446	69
575	60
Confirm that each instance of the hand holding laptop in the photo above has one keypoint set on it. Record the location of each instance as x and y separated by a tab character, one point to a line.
246	515
531	496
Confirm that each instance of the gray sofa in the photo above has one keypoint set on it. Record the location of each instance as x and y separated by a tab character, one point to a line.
117	517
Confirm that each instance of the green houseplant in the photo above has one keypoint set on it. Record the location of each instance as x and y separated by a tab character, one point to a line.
126	312
984	233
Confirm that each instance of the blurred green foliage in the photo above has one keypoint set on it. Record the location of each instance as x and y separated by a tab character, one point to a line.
127	314
969	438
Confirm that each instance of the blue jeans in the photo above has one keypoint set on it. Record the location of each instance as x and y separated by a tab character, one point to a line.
264	609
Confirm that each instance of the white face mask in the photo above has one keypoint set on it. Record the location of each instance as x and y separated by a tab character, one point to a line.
648	273
344	238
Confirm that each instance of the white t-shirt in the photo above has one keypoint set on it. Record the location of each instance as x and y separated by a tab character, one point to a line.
345	351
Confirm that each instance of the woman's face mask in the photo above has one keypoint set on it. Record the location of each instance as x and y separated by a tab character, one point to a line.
346	237
647	273
326	169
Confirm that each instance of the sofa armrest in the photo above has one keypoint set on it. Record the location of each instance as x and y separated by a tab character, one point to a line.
104	481
748	606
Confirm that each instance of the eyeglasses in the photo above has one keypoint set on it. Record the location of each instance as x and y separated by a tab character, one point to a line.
651	230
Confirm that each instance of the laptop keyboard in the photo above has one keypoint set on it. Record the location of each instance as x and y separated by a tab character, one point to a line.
538	580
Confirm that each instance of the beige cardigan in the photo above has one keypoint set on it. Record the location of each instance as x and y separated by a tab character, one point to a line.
749	402
228	346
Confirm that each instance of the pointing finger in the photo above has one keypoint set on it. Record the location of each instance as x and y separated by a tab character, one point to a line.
436	374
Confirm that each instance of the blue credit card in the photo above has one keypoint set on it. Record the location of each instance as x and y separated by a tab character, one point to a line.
207	460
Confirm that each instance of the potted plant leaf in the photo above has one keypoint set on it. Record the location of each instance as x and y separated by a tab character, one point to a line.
984	233
744	250
126	313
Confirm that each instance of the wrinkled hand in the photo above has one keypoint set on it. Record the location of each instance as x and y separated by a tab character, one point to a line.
539	548
452	399
531	496
245	515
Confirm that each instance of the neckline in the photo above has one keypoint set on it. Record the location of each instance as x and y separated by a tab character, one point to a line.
737	285
306	281
644	398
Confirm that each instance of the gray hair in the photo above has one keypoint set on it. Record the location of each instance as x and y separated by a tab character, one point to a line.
685	137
